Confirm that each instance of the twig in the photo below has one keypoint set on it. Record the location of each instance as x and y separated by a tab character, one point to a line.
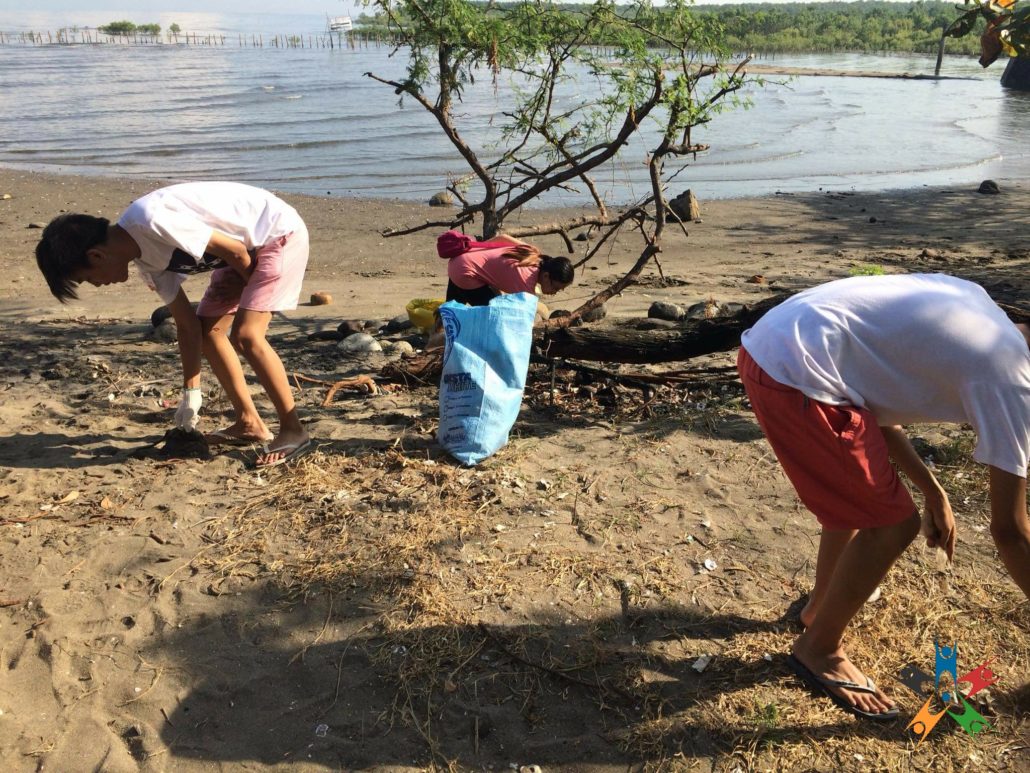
554	672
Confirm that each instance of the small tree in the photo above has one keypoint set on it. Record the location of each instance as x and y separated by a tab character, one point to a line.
175	29
655	72
118	28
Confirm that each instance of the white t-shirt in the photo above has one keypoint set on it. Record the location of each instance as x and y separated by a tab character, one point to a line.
914	348
173	226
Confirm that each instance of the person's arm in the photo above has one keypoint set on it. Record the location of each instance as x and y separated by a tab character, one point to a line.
232	252
188	331
938	520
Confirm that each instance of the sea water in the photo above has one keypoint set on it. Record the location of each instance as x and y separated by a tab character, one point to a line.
309	120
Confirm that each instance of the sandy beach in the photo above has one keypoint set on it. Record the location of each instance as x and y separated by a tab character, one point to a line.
608	593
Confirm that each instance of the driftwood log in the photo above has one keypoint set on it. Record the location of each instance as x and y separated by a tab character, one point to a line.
619	345
704	336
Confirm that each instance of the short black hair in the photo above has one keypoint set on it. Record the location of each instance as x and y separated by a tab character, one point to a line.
62	250
559	269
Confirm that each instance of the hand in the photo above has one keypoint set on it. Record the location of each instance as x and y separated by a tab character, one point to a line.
939	523
187	416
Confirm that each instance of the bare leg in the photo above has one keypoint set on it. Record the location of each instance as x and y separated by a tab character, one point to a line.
831	545
1009	525
862	565
248	334
226	366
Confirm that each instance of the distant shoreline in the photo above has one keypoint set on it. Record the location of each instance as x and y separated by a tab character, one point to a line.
763	69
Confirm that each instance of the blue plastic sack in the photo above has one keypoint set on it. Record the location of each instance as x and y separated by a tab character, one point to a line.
485	362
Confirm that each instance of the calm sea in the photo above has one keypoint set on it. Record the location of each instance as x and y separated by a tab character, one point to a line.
308	120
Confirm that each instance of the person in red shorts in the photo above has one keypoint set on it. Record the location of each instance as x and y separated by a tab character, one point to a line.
832	374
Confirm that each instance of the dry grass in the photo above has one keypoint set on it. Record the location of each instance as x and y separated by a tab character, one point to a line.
455	568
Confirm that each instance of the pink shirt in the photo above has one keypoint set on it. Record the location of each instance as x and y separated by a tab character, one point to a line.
486	267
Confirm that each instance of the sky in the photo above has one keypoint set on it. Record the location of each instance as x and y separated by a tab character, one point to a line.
142	7
138	7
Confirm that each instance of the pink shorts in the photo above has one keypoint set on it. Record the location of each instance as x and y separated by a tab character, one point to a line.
835	455
273	286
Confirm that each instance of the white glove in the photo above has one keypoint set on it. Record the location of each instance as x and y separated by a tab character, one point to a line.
187	416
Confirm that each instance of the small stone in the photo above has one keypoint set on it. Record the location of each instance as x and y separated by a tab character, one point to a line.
321	299
931	254
666	311
988	186
159	315
441	199
166	332
684	207
705	310
398	323
359	343
872	220
349	327
757	279
582	236
7	197
36	225
595	315
402	349
702	663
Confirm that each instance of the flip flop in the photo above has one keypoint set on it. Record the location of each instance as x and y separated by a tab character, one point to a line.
293	451
221	437
822	685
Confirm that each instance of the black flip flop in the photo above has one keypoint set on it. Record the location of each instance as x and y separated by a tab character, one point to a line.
822	685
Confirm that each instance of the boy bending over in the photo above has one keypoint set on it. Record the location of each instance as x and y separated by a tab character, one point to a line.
831	374
256	247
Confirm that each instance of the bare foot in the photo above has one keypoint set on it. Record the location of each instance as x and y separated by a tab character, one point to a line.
240	431
836	665
281	446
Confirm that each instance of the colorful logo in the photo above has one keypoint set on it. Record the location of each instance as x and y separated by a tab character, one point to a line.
946	689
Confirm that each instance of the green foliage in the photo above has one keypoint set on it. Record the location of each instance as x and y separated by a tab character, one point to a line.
766	716
128	28
868	25
866	269
635	69
175	29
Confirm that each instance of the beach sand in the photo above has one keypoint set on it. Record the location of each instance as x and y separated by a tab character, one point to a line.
377	607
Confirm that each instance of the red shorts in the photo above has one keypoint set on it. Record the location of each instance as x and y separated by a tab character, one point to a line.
835	455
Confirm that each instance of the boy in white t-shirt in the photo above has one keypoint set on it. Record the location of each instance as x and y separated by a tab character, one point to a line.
831	373
256	247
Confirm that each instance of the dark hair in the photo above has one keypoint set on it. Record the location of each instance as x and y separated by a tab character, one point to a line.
62	250
559	269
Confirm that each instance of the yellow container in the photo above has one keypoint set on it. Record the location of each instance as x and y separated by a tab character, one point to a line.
422	313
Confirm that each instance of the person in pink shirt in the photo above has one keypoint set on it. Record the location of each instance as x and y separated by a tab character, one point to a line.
477	276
